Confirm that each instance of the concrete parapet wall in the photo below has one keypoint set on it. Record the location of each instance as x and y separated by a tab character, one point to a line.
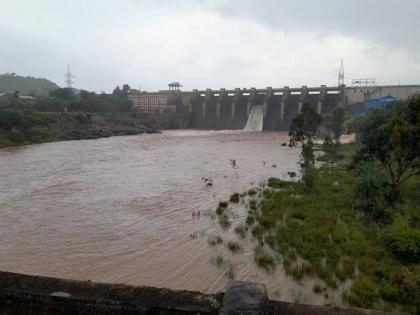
24	294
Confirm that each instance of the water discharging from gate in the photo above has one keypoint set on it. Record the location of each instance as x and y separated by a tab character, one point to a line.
255	119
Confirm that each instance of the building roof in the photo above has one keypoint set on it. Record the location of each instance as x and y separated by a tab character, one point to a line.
380	102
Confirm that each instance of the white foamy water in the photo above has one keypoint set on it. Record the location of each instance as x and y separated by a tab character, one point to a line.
255	119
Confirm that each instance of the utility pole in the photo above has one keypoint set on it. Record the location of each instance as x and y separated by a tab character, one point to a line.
69	77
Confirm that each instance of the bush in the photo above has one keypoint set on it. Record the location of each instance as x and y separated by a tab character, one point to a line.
220	210
234	198
223	204
276	183
214	240
308	178
241	230
234	246
403	241
370	193
317	288
363	293
224	221
264	259
252	192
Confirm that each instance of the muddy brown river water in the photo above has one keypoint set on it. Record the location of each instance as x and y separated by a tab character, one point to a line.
119	209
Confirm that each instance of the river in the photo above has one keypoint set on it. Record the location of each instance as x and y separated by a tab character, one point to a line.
119	209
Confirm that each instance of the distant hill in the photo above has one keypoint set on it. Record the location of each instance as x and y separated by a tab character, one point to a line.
11	82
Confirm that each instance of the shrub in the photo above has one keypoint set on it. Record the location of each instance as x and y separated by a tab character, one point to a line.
252	192
403	241
241	230
264	259
215	240
219	261
308	178
276	183
223	204
253	205
224	221
389	292
220	211
230	272
234	246
370	192
250	220
317	288
234	198
363	293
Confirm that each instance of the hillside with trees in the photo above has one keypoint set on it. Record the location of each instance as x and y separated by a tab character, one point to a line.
11	82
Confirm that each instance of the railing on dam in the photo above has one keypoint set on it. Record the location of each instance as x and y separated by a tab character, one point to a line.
24	294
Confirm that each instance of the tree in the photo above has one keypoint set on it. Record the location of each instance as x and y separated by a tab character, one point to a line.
63	93
126	88
303	131
392	137
116	91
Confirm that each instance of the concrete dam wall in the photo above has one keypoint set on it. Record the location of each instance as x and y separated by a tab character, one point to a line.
230	109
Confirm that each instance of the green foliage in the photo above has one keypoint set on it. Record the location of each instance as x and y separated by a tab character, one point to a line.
224	221
214	240
234	198
252	192
26	85
304	126
318	234
363	293
62	93
223	204
392	137
276	183
403	240
329	146
370	195
234	247
230	272
264	259
241	230
308	178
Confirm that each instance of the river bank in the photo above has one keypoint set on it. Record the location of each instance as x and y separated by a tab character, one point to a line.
19	127
320	238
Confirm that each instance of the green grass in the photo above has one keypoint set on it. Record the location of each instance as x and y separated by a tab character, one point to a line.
264	259
319	234
214	240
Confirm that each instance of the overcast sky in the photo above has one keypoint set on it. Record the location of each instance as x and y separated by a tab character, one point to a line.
204	43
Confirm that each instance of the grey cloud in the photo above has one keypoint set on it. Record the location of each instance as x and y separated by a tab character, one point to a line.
390	21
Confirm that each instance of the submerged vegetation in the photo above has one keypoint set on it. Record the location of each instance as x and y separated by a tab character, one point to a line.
354	218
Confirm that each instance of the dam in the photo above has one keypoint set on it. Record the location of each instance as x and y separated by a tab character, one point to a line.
231	108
